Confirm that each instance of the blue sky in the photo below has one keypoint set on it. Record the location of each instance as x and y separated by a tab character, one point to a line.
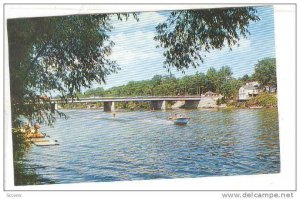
136	53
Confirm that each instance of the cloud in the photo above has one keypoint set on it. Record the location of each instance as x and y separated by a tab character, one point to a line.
243	44
135	49
134	41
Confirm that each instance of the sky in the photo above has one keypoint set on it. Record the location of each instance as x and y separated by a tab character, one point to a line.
136	53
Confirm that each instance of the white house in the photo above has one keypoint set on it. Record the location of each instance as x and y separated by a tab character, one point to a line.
249	90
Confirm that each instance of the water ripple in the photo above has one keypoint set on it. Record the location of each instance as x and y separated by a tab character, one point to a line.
95	147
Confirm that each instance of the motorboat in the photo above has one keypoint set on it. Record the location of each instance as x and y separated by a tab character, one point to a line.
179	119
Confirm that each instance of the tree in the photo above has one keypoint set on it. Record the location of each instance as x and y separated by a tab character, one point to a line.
60	54
212	79
95	92
199	81
224	75
246	78
186	33
229	89
265	72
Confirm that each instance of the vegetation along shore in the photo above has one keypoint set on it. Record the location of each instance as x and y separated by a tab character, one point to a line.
218	84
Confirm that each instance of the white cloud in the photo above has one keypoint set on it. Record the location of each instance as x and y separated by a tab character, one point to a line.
135	49
134	41
243	44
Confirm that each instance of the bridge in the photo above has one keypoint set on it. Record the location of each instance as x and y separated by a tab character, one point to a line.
157	103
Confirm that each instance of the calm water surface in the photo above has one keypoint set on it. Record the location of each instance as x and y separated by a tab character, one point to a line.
95	147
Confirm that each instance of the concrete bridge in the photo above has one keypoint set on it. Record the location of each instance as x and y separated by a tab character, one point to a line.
157	103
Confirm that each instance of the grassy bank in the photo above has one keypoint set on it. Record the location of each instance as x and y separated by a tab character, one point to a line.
263	100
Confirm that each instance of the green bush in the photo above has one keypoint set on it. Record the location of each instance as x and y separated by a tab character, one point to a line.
263	99
221	101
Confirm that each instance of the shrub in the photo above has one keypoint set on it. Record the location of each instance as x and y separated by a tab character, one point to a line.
263	99
221	101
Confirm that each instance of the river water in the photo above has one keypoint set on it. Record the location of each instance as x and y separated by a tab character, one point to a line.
95	147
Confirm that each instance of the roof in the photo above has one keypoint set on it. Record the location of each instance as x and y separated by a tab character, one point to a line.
252	83
249	87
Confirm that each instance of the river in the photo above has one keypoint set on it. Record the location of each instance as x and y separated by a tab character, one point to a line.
95	147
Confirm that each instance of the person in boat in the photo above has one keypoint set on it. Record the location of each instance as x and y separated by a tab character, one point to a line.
175	116
36	126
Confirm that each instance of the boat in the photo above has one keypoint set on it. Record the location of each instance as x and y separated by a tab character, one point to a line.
43	142
181	120
31	132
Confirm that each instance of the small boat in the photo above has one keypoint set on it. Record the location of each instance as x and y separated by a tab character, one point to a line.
181	120
42	142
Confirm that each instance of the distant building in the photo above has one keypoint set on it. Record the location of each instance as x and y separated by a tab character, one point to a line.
271	89
249	90
210	94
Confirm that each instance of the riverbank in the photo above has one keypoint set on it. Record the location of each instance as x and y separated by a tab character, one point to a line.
263	100
24	174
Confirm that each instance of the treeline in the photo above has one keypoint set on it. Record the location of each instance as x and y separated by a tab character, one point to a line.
219	81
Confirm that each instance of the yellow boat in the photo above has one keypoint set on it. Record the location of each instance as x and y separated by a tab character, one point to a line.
42	142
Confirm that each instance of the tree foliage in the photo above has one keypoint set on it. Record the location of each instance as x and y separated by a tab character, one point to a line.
186	33
58	54
265	72
220	81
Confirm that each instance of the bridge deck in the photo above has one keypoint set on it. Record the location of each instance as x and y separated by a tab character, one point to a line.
135	99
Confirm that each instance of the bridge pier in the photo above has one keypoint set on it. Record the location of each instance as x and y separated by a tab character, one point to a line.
191	103
159	105
109	106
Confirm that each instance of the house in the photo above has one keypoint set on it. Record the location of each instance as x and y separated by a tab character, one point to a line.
249	90
271	89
